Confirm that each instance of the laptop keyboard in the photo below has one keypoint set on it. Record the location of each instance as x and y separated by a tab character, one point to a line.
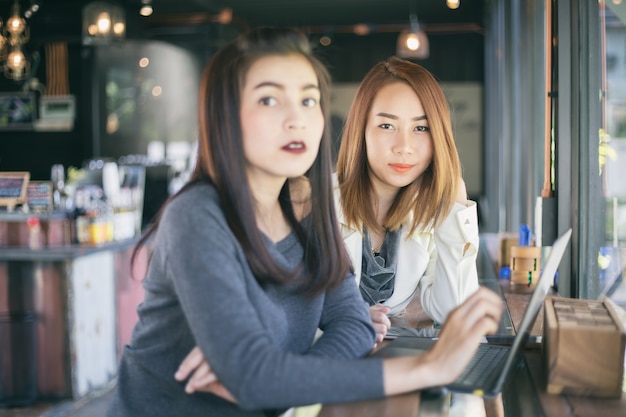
484	367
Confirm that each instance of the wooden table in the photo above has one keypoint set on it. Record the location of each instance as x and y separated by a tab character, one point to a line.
524	393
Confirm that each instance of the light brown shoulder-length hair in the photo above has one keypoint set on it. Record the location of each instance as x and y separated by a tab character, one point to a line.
425	201
221	161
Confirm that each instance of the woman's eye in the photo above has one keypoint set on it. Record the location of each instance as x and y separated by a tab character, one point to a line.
422	128
309	102
268	101
385	126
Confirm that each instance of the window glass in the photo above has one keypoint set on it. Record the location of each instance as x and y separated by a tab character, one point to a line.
612	150
150	91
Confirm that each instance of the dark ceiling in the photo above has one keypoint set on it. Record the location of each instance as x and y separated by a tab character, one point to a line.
325	12
61	18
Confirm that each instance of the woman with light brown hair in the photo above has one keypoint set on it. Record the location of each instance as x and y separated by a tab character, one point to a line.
406	220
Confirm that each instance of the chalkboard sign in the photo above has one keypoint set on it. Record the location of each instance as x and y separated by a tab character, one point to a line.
13	188
39	196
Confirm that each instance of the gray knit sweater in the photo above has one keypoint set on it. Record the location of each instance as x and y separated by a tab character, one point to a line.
201	291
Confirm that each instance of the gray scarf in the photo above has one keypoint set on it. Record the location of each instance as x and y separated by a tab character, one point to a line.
378	271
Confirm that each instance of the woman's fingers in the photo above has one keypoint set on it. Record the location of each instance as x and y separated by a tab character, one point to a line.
191	362
220	390
378	313
380	307
380	321
381	331
464	329
201	376
483	304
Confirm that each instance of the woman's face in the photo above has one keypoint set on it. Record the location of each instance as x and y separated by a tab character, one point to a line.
281	117
397	138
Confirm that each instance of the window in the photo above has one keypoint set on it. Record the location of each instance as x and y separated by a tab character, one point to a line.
612	150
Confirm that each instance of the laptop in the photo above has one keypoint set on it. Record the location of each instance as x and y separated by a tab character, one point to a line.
488	369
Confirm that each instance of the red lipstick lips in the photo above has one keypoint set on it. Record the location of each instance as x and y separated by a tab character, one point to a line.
401	167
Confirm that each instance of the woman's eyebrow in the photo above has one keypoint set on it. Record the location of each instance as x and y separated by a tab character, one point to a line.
394	117
310	87
282	87
268	84
387	115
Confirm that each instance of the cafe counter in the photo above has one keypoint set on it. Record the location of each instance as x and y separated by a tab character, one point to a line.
66	312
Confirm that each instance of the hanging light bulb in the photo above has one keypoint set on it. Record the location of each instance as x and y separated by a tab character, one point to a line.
17	66
13	36
16	26
16	60
413	42
453	4
225	16
146	10
103	23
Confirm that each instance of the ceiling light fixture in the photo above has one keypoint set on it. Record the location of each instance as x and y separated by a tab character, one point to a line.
362	29
13	36
326	40
103	22
146	8
413	42
225	16
453	4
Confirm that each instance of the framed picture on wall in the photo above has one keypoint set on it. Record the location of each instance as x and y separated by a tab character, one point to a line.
17	111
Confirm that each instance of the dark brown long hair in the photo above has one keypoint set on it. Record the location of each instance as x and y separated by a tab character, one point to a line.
221	162
428	200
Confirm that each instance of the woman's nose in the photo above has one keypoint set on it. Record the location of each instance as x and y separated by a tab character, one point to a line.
402	144
295	117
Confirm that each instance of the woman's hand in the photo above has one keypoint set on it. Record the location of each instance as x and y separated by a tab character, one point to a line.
202	377
380	321
464	330
458	341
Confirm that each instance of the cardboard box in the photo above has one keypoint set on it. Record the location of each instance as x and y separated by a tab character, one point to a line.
583	347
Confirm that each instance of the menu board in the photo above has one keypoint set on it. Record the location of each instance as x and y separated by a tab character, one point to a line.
13	187
39	196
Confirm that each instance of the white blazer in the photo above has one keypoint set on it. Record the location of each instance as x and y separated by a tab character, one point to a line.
440	263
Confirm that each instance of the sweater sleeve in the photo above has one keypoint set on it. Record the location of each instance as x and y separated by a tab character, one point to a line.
452	274
346	324
221	304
